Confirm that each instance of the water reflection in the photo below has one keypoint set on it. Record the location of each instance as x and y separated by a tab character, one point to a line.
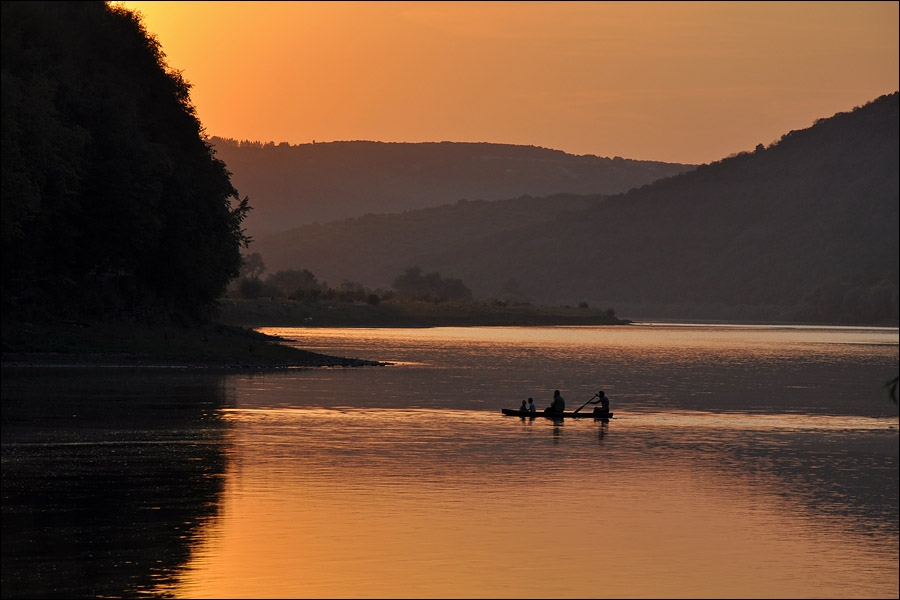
808	370
433	503
735	452
107	479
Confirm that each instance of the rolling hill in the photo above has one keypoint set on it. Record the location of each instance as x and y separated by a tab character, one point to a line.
293	185
804	229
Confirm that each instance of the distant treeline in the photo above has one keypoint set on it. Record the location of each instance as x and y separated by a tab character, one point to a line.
303	285
112	200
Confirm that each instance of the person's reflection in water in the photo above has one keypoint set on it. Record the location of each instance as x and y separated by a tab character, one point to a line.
556	431
601	433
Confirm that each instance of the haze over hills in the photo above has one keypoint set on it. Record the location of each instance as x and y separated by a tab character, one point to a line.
373	249
293	185
805	229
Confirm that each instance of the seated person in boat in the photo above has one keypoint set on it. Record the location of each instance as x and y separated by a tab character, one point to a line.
524	407
558	406
604	403
532	409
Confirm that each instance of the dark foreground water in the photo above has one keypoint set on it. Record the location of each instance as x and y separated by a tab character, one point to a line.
742	462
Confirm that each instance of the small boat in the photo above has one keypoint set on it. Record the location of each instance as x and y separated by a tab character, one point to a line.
566	415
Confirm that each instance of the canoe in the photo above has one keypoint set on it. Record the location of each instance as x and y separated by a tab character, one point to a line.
587	414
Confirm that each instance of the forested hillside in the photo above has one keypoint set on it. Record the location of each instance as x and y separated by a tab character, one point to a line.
374	249
113	203
805	229
294	185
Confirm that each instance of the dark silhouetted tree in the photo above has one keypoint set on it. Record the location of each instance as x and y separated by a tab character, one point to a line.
250	287
291	281
113	202
413	284
253	265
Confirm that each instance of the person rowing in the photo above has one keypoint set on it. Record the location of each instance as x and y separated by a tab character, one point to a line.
604	404
601	399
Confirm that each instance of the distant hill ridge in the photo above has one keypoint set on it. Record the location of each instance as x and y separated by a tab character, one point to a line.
805	229
293	185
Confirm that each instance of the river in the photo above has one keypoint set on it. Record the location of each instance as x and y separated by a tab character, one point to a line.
742	461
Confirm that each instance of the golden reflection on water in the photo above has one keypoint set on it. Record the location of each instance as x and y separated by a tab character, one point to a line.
743	461
470	504
664	337
838	370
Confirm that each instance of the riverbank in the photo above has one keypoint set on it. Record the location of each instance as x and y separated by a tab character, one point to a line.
396	313
126	344
229	341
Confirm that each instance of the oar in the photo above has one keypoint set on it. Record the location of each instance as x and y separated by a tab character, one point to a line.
586	403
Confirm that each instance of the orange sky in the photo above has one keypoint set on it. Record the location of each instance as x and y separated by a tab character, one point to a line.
684	82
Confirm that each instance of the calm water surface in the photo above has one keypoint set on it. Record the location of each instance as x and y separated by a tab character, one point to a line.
741	462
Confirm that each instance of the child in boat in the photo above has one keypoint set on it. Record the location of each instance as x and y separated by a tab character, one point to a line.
524	407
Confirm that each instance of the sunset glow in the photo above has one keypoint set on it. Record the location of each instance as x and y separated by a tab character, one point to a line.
420	299
672	81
